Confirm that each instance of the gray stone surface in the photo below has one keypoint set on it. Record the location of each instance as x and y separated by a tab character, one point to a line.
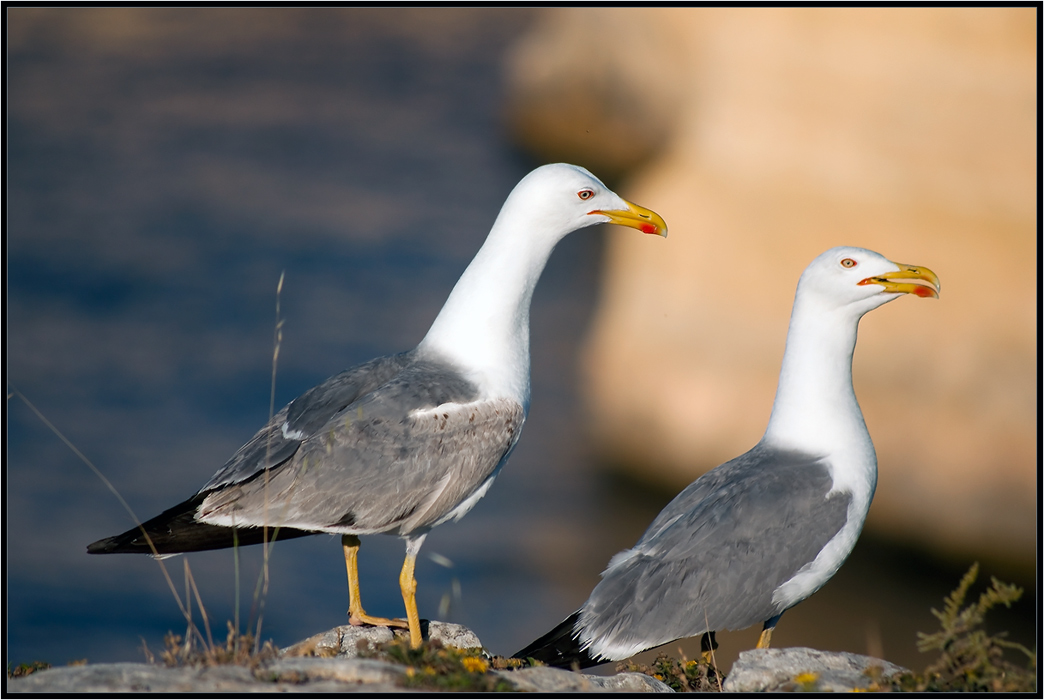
326	662
799	668
452	635
136	678
545	679
342	670
312	675
344	640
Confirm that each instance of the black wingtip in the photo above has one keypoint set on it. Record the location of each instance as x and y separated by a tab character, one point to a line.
175	530
560	647
106	546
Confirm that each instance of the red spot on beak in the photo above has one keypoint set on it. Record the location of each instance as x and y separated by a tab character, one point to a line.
649	228
924	292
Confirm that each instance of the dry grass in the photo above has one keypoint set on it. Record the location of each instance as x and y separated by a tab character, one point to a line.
239	650
971	660
437	667
22	670
682	676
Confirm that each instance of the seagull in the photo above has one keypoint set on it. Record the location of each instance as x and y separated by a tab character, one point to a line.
760	533
402	443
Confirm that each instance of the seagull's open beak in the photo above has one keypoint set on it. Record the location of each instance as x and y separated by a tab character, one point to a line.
645	220
908	272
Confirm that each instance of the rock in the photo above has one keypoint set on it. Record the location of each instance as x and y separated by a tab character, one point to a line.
574	97
451	635
341	670
340	641
280	676
791	130
809	670
135	678
344	640
326	662
545	679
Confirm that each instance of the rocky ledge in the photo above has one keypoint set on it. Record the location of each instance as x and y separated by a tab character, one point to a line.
808	670
330	662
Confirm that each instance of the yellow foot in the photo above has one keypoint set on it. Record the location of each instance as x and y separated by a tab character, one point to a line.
357	620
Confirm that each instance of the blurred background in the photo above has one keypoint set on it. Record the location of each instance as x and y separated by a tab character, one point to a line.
165	166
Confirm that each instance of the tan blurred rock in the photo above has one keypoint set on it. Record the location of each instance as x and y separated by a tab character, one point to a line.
576	97
909	131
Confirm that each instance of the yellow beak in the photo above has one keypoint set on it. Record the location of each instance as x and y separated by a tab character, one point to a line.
908	272
645	220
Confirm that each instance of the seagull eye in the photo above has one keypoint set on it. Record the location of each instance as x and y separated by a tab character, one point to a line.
848	262
585	194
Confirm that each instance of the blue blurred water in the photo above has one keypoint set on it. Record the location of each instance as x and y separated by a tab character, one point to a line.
165	166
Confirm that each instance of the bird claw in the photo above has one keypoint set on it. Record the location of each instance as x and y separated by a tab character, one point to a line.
369	620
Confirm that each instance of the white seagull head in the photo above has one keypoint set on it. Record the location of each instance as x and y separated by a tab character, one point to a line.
559	198
858	280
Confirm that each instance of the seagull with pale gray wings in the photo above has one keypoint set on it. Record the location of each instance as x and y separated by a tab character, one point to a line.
403	443
760	533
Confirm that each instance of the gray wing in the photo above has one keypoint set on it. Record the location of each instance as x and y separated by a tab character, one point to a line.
387	462
299	420
713	557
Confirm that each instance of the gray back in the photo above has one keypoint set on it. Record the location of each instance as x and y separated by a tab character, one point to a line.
713	557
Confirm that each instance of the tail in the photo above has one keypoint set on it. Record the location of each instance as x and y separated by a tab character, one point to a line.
560	647
176	530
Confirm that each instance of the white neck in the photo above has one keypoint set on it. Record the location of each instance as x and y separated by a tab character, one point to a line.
484	325
815	410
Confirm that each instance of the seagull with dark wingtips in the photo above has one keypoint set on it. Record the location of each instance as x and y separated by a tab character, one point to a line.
402	443
757	535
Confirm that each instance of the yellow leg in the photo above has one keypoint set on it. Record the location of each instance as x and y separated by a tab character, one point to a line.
764	639
408	584
356	615
707	646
